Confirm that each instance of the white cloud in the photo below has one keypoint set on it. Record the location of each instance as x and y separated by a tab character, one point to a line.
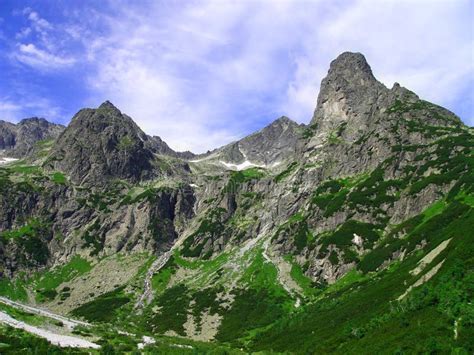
31	55
200	76
45	53
9	110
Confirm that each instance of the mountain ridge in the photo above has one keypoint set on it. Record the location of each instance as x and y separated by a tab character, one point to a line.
369	207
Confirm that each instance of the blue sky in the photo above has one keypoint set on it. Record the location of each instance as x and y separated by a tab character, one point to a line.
203	73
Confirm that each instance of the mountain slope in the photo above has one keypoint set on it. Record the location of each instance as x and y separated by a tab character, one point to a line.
348	235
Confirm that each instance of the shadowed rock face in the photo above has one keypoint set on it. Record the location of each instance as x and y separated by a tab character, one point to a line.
20	139
100	144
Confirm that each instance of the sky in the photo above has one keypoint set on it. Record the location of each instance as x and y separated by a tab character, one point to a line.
201	74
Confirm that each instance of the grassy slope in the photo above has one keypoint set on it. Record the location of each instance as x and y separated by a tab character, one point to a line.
364	316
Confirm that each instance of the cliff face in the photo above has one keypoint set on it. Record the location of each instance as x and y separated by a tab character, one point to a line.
18	140
357	191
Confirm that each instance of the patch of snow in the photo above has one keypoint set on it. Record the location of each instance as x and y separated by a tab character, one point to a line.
146	341
53	338
5	160
297	303
242	166
193	185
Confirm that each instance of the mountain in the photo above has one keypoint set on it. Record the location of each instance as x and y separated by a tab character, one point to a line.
352	234
268	148
18	140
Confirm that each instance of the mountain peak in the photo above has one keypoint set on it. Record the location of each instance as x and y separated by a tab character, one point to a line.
101	143
107	104
350	65
348	92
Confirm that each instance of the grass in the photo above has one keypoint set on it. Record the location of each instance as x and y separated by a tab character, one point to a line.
104	308
239	177
59	178
287	172
359	313
47	283
343	236
297	274
160	280
173	305
13	289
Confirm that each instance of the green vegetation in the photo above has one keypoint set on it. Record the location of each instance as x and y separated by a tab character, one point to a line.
31	240
430	231
296	228
242	176
47	284
59	178
287	172
13	289
360	314
125	143
104	308
251	309
161	279
173	303
211	227
309	287
15	341
343	236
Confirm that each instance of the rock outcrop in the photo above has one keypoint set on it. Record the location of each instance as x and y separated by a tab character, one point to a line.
19	140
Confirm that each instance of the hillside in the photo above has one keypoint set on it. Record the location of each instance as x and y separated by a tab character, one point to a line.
352	234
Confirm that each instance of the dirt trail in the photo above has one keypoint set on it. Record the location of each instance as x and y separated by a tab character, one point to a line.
53	338
68	322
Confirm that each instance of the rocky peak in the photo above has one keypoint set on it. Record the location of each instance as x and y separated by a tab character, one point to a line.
350	66
100	144
275	143
349	89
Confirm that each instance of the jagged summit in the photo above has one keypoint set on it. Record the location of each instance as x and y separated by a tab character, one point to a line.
107	105
350	65
102	143
349	89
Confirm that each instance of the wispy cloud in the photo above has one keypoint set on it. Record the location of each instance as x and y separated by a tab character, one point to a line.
202	73
46	53
31	55
214	70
